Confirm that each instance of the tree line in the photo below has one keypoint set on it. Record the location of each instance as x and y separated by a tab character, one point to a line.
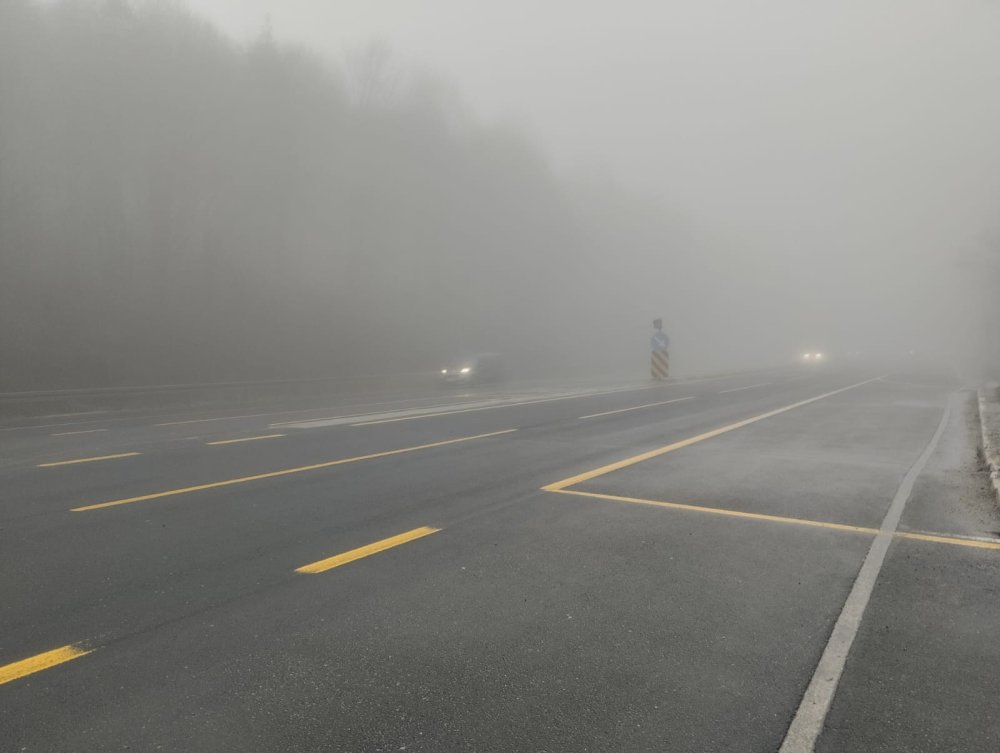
176	207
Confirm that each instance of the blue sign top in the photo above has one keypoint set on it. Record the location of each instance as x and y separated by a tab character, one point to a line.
659	341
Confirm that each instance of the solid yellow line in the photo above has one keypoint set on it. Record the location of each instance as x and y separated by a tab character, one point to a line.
638	407
245	439
89	460
284	472
949	540
25	667
725	512
364	551
573	480
938	539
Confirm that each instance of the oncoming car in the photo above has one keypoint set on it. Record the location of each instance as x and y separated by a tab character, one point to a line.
813	356
488	367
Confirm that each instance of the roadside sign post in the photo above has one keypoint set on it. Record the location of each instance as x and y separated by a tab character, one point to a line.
659	359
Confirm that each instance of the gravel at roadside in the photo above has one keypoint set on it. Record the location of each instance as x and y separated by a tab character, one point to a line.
989	417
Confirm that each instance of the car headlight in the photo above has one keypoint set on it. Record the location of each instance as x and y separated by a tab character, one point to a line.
806	356
466	370
819	355
444	371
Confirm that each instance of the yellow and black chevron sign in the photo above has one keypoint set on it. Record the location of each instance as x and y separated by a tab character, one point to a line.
659	364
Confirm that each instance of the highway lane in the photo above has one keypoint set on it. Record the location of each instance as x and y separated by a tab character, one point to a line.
39	499
35	493
158	443
419	392
531	620
26	443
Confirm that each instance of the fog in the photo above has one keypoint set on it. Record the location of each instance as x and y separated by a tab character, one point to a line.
242	189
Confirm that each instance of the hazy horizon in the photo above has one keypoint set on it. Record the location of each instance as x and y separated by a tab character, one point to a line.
766	178
852	144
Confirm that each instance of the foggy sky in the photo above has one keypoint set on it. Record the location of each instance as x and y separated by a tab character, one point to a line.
850	147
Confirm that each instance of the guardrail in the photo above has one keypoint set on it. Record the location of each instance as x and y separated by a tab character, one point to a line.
36	402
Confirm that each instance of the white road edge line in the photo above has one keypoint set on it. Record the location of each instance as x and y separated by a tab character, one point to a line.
82	431
810	716
639	407
748	387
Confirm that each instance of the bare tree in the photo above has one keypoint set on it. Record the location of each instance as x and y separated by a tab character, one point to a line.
373	78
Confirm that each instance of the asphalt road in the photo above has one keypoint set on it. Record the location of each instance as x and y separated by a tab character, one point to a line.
752	563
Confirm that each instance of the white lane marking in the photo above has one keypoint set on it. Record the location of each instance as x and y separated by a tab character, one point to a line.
748	387
346	418
53	426
639	407
467	407
416	413
77	461
29	427
301	410
220	418
504	405
244	439
81	431
811	714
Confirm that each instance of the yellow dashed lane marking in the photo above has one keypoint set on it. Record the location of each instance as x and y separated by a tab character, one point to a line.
366	551
25	667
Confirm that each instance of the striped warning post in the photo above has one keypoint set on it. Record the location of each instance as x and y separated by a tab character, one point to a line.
659	364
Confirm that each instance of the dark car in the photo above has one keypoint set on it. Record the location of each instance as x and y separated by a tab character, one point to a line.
480	369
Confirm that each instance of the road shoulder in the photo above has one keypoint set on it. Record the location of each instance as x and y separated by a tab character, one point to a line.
920	677
989	421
